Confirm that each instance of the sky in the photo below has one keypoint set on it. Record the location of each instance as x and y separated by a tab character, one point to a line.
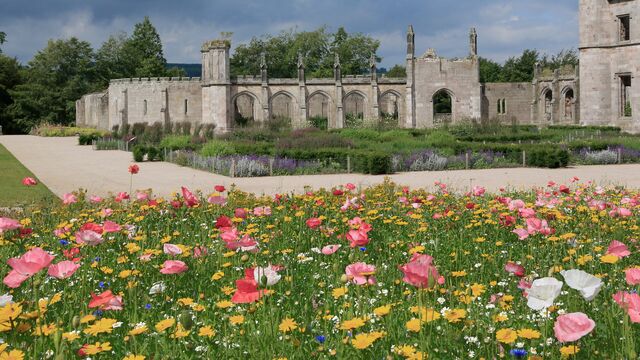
505	27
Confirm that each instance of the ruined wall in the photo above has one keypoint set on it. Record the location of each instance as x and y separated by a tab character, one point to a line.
154	100
507	102
92	110
459	78
605	57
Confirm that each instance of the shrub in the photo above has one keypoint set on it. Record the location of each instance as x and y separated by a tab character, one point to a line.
440	139
427	161
360	134
603	157
87	139
352	121
548	157
177	142
139	151
319	122
217	148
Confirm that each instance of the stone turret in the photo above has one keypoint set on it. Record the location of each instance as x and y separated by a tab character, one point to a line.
473	42
216	84
215	62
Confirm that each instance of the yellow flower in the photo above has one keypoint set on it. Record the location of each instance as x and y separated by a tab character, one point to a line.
163	325
236	319
413	325
138	330
206	331
134	357
12	355
382	310
180	332
426	315
528	334
569	350
352	324
10	311
104	325
477	289
363	341
455	315
339	292
97	348
45	330
609	259
71	336
224	304
506	336
217	276
287	325
459	273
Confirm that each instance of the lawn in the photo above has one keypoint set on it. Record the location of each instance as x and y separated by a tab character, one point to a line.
12	192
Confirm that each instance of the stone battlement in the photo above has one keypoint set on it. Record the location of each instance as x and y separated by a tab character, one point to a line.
154	79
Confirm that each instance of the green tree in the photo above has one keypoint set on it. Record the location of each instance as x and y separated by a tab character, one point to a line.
318	48
56	77
561	59
142	52
3	38
9	79
397	71
490	71
520	69
111	60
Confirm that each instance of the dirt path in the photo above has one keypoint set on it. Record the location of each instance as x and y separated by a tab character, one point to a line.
64	166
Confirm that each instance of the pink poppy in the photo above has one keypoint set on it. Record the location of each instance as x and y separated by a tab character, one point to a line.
217	200
8	224
95	199
106	301
361	273
262	211
516	205
526	212
246	291
357	238
111	227
219	188
350	186
421	272
200	251
29	181
121	196
230	235
535	225
106	212
173	267
142	196
629	302
478	191
313	223
27	265
618	249
513	268
240	213
89	237
69	199
134	169
632	276
522	233
189	199
573	326
244	244
145	257
171	249
330	249
63	269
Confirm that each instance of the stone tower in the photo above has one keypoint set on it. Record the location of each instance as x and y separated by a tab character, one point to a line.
216	84
609	63
410	121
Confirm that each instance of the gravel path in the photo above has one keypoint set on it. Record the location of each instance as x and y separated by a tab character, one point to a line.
64	166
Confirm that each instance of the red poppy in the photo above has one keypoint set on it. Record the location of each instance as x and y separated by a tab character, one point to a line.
134	169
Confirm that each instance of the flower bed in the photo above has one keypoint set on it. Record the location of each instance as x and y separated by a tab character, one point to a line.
382	272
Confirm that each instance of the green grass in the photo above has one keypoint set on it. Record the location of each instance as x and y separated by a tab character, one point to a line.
12	192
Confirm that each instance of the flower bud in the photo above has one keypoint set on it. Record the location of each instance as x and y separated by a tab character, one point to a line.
344	278
185	320
75	322
244	257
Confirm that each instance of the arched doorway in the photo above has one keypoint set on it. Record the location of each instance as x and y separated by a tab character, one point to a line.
391	109
319	110
442	107
568	105
243	110
282	106
354	105
547	105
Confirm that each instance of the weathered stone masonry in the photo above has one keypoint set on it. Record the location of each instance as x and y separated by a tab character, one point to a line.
591	95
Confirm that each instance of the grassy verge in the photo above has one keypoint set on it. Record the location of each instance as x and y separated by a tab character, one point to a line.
12	192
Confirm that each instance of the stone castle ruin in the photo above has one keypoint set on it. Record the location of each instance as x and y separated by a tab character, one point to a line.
603	91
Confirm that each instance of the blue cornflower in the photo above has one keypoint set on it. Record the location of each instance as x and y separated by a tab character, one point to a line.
97	259
321	339
101	284
363	249
98	313
64	242
148	306
518	353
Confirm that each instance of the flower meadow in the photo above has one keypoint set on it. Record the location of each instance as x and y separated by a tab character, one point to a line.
384	272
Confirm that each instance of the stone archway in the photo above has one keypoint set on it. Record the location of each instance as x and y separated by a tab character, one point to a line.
245	106
282	106
546	104
320	110
354	103
391	106
442	107
568	104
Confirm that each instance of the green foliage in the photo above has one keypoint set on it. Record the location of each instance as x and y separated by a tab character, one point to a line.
397	71
217	148
627	109
548	157
49	130
520	69
12	192
143	51
353	121
490	71
318	48
3	39
10	77
440	139
139	151
57	76
177	142
319	122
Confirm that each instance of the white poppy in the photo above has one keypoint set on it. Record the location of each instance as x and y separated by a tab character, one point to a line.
543	293
272	276
157	288
587	284
5	299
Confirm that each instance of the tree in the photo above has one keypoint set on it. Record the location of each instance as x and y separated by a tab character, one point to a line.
397	71
9	79
562	59
490	71
57	76
520	69
142	52
3	38
318	48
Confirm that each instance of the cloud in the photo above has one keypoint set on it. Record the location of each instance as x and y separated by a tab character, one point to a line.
505	27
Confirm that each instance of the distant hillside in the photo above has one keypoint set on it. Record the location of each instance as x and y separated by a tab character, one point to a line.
192	70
